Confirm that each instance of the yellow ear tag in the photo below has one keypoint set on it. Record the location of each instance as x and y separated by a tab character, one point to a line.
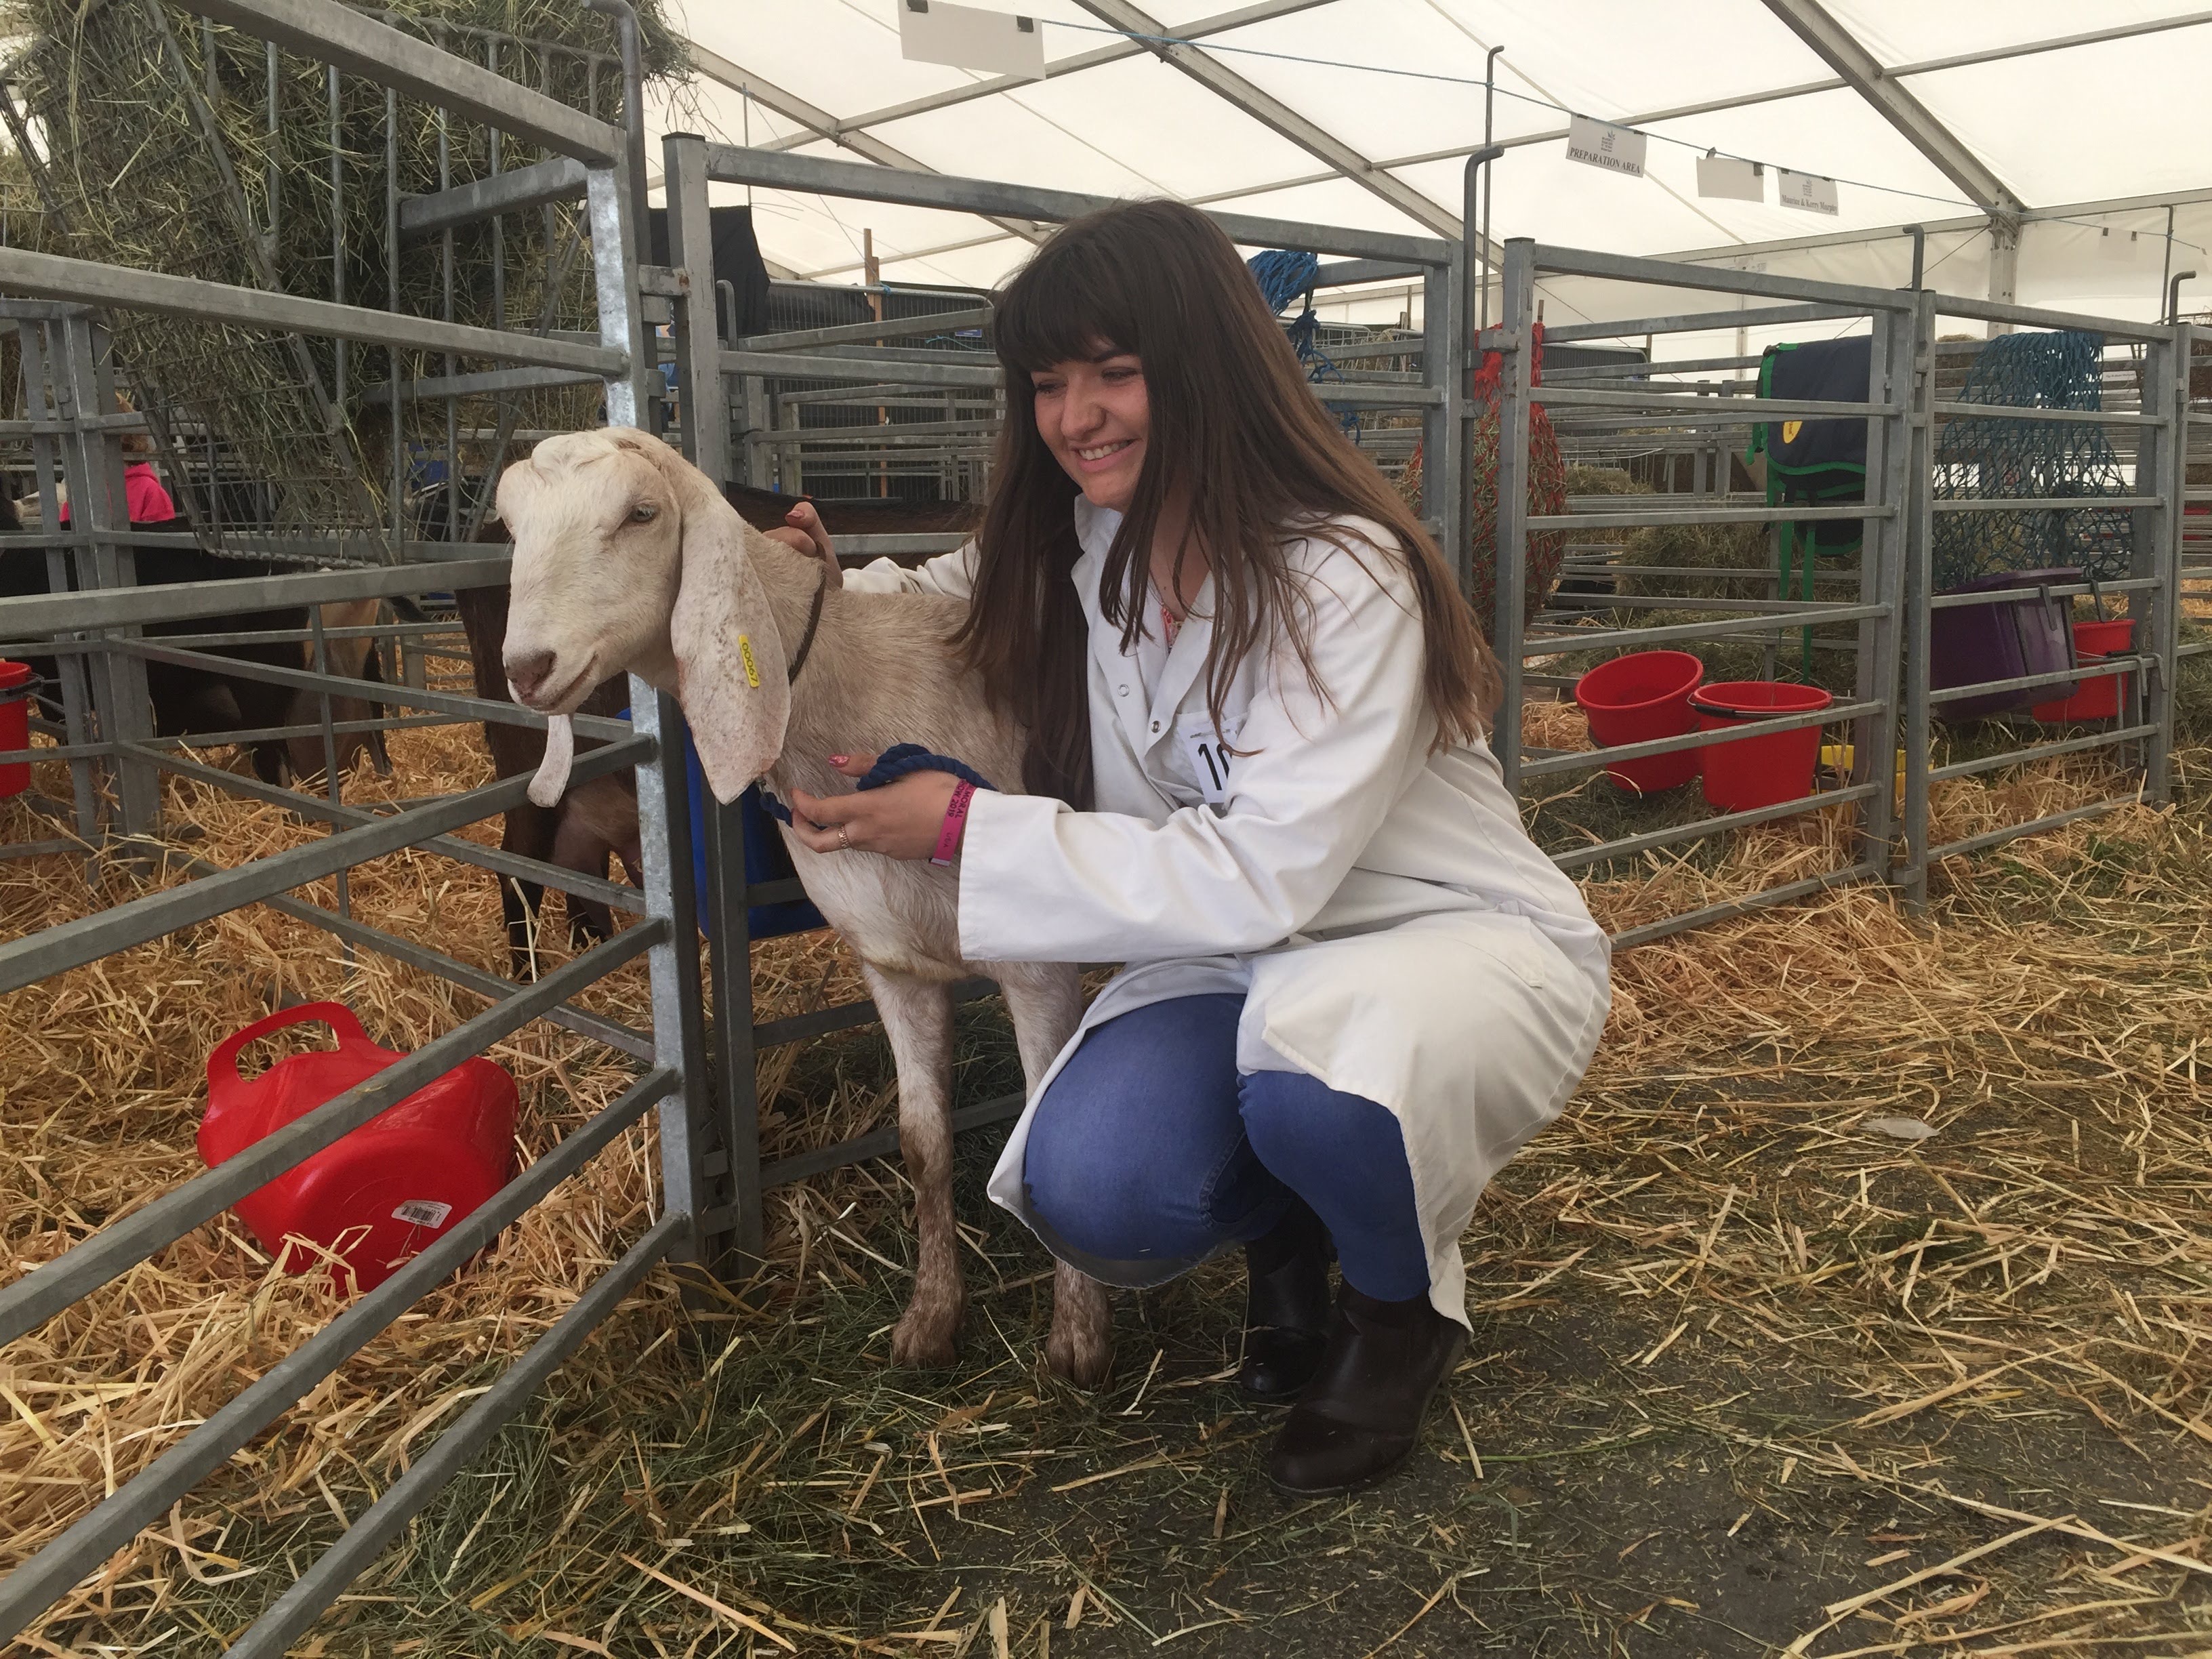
745	650
1790	430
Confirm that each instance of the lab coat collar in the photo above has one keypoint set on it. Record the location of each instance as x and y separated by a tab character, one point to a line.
1095	530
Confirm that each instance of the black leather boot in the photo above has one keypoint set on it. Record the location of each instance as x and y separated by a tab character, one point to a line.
1285	1306
1361	1414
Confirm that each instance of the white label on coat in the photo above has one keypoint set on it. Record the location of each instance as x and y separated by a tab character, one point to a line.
1210	763
423	1212
1601	144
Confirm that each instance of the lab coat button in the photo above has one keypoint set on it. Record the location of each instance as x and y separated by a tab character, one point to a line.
1155	725
1120	690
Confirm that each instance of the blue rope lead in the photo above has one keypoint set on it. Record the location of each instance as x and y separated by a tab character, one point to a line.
1286	275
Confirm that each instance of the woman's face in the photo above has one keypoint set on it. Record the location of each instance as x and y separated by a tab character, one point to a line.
1095	417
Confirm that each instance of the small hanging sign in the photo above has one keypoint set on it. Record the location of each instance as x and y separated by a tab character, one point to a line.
2117	244
1734	180
970	38
1601	144
1807	192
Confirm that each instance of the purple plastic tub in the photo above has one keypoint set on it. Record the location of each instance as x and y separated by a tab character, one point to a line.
1973	644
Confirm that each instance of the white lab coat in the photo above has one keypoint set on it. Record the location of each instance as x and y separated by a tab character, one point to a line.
1392	928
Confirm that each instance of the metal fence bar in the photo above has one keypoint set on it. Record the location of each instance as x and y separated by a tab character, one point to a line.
273	1634
141	1500
2054	591
1568	643
1618	267
2041	751
358	45
1660	401
410	697
797	366
1515	340
1892	361
784	170
2163	454
497	861
1951	849
36	614
879	1143
1657	517
51	276
1629	846
582	1022
2041	503
1909	866
1728	908
888	328
663	814
560	179
1992	311
72	943
2074	416
1699	322
1582	760
2028	682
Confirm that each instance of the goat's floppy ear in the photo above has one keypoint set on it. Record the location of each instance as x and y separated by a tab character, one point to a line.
729	656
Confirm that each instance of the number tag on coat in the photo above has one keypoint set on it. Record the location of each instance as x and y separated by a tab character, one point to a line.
1203	749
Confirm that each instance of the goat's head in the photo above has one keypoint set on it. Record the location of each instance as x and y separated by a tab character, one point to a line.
627	560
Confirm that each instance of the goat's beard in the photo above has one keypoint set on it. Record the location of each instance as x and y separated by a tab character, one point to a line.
551	781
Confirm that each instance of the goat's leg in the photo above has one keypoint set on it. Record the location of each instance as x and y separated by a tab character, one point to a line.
579	845
918	1019
528	831
1046	1002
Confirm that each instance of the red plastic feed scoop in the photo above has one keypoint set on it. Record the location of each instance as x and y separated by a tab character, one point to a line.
382	1193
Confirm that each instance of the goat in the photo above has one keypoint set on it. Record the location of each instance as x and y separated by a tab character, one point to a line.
191	700
626	557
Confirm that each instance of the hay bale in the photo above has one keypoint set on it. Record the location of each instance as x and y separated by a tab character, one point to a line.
1715	547
181	146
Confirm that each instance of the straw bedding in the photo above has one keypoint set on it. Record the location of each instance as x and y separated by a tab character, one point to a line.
2010	1316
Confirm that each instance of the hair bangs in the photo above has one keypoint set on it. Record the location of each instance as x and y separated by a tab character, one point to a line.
1063	308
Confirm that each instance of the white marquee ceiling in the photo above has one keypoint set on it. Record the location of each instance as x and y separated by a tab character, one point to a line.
2069	132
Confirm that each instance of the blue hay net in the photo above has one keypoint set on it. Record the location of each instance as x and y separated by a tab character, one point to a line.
1285	278
1987	456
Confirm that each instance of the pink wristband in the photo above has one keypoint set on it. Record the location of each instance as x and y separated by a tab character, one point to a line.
956	822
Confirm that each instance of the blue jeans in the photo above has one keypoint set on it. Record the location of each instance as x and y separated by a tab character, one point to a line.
1151	1147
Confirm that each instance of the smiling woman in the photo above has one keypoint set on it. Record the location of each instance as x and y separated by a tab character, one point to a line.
1352	986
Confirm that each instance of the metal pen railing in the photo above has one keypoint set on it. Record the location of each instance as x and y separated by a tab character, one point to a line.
93	623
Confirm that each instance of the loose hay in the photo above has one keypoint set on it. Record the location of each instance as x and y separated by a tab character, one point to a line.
1980	1353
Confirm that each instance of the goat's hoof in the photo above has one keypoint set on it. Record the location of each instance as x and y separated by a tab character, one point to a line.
926	1339
1084	1358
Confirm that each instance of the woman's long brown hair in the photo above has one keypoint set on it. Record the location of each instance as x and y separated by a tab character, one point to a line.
1235	431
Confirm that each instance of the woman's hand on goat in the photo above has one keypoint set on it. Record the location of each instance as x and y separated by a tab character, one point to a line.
902	820
808	523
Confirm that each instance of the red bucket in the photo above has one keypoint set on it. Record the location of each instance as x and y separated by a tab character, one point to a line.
2099	699
1635	699
1767	769
387	1190
18	684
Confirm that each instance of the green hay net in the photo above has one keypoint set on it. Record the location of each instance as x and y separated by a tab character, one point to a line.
1990	456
